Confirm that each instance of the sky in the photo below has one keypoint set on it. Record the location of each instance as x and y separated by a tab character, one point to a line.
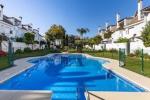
71	14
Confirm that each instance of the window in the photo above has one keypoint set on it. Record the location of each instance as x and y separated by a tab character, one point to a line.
11	32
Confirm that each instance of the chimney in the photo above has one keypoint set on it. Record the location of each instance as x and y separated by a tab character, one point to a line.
117	19
125	22
99	29
140	6
31	26
1	11
20	18
38	30
106	25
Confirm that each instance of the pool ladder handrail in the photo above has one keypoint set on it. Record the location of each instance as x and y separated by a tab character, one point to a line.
88	95
86	91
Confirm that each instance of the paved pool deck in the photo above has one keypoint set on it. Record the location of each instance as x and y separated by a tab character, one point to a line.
22	65
133	77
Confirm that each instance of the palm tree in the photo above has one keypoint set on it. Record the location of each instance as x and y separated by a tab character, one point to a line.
82	31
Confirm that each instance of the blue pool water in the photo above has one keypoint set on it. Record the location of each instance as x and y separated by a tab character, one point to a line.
68	76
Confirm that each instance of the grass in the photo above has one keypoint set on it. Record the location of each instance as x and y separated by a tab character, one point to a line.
132	63
4	60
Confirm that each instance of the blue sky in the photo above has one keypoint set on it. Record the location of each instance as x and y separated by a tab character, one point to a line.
72	14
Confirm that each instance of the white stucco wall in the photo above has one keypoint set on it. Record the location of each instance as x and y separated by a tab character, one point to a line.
18	45
138	46
117	34
116	46
148	17
135	29
98	47
111	46
5	28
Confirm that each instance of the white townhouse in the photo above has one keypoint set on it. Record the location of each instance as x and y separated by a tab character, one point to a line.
131	27
6	26
38	36
13	27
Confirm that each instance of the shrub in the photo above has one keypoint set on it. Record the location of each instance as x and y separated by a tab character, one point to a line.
137	52
27	50
107	34
36	42
146	35
18	51
19	39
65	48
131	55
37	50
113	50
146	56
122	40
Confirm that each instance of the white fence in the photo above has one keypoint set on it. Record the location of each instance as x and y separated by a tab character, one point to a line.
18	45
133	46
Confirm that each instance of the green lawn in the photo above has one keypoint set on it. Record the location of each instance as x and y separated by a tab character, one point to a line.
4	60
132	63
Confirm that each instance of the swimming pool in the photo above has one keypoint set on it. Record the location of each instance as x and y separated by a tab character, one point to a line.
68	76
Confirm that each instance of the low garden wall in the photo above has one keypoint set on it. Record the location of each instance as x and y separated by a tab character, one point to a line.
18	45
110	46
133	46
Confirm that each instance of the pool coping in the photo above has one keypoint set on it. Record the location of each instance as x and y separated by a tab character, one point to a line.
25	95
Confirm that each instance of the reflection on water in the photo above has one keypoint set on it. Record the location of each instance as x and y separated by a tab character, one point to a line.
68	75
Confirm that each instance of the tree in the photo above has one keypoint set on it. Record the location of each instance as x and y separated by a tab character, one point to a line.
29	38
66	40
55	32
91	42
107	34
97	39
49	38
146	35
122	40
78	44
82	31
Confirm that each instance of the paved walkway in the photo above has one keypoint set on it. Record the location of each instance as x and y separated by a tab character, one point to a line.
129	75
25	95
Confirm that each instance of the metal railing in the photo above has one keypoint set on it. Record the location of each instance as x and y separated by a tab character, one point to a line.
88	95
